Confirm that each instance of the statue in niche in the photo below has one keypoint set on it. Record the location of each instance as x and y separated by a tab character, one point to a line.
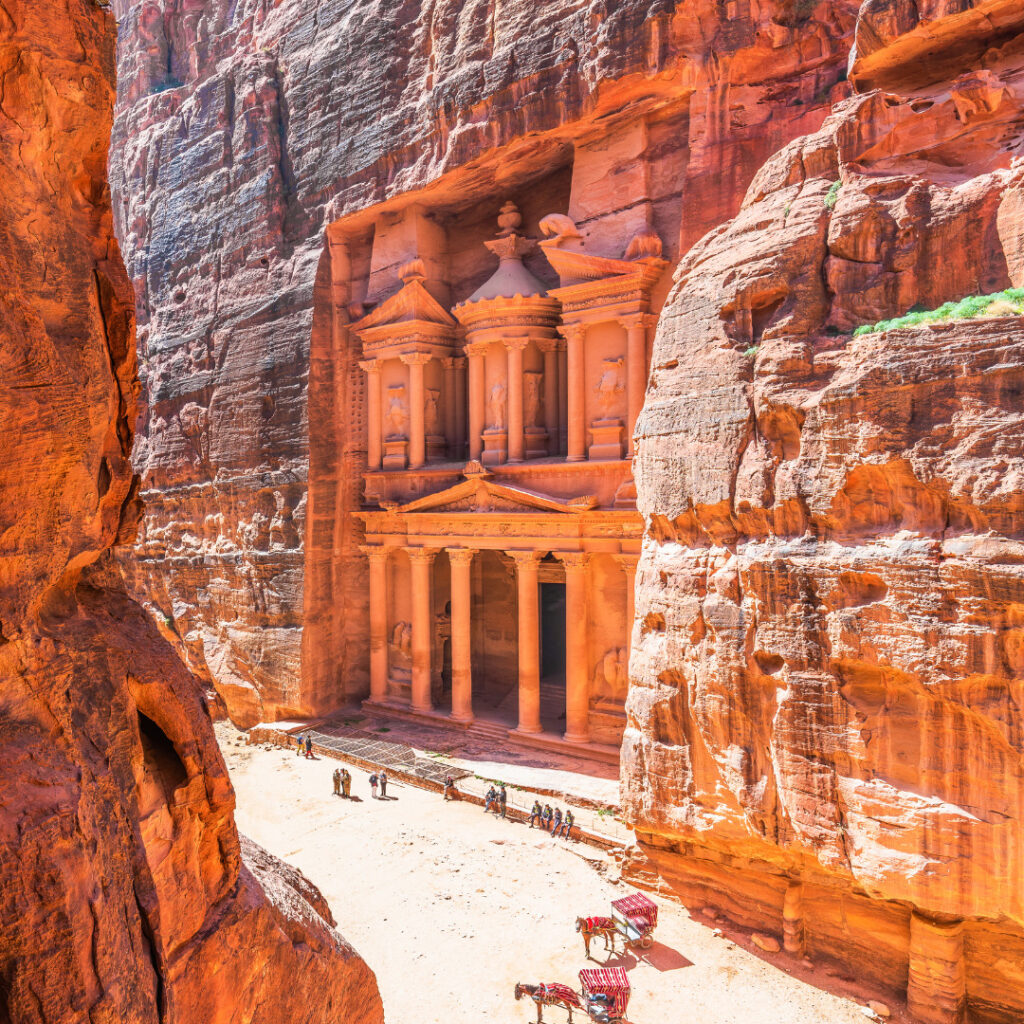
397	415
496	407
431	413
609	386
531	398
401	646
612	675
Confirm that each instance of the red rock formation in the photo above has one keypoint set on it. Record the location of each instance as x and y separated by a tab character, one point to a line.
825	710
125	894
276	121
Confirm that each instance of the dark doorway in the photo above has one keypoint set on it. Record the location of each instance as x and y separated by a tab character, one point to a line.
552	657
552	636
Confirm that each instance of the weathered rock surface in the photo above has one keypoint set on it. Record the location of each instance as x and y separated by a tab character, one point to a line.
125	895
243	131
825	711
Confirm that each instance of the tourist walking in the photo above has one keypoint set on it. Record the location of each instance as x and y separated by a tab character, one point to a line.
298	744
309	746
537	814
502	800
449	788
346	783
556	822
383	780
337	781
490	799
373	785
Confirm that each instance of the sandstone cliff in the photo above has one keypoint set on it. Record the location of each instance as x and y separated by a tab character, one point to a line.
125	892
825	726
244	131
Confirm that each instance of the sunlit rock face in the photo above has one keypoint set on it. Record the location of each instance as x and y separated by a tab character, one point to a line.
245	130
825	729
126	894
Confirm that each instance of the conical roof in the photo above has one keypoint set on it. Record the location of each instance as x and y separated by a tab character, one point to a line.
510	279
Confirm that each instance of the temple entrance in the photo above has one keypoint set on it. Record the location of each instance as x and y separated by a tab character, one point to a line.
552	657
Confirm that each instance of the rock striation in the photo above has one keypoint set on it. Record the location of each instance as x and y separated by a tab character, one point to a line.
825	733
247	133
126	894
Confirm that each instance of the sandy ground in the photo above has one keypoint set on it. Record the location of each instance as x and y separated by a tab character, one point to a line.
450	907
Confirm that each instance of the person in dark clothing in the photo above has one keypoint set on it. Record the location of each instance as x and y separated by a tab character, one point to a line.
309	746
449	788
502	801
537	814
567	823
383	780
373	785
556	822
545	818
490	799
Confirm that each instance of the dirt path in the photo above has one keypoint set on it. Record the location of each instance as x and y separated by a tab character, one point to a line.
451	907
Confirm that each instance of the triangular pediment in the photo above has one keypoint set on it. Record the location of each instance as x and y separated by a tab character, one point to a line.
412	303
481	494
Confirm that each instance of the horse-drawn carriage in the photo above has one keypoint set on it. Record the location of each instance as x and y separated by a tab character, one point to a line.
634	919
603	995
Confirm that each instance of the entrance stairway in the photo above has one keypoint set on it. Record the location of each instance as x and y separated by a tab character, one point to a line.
492	733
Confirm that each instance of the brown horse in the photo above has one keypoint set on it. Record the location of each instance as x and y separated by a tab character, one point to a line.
549	995
594	927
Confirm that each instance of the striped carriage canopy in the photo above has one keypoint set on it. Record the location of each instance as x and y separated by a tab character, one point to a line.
638	908
609	981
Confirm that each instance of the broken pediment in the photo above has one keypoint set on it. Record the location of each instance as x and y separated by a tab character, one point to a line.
411	305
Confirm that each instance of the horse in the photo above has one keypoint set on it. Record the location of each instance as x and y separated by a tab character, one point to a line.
591	927
549	995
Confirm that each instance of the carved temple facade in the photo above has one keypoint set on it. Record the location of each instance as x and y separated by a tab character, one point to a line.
501	530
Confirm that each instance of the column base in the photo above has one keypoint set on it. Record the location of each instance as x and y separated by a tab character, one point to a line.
575	458
576	737
424	708
467	719
522	730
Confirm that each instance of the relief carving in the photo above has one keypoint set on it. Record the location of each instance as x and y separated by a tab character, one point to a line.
611	676
431	415
609	386
531	398
397	414
496	407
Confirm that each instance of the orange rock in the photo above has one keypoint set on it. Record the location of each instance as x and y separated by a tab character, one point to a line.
125	892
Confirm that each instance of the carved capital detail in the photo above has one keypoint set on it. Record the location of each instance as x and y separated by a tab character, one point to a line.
415	358
549	344
376	552
454	362
460	556
515	344
627	561
525	559
574	561
572	332
421	556
370	365
475	348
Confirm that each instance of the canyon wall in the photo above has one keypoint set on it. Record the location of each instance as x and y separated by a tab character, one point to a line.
251	142
825	729
126	894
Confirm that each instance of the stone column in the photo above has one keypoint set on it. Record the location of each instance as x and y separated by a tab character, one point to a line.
460	409
563	396
551	394
628	563
421	560
577	450
450	429
417	397
515	348
636	373
373	413
577	659
377	555
461	562
937	980
476	399
527	590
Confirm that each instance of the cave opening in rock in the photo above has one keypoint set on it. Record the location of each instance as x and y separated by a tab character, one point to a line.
161	759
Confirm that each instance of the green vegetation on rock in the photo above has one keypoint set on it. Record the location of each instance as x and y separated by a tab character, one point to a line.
832	196
1005	303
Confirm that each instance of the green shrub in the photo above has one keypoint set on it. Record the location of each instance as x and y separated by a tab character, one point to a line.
751	352
832	196
1009	302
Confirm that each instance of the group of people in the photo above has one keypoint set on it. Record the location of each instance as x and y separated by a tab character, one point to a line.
552	821
304	742
496	799
342	782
